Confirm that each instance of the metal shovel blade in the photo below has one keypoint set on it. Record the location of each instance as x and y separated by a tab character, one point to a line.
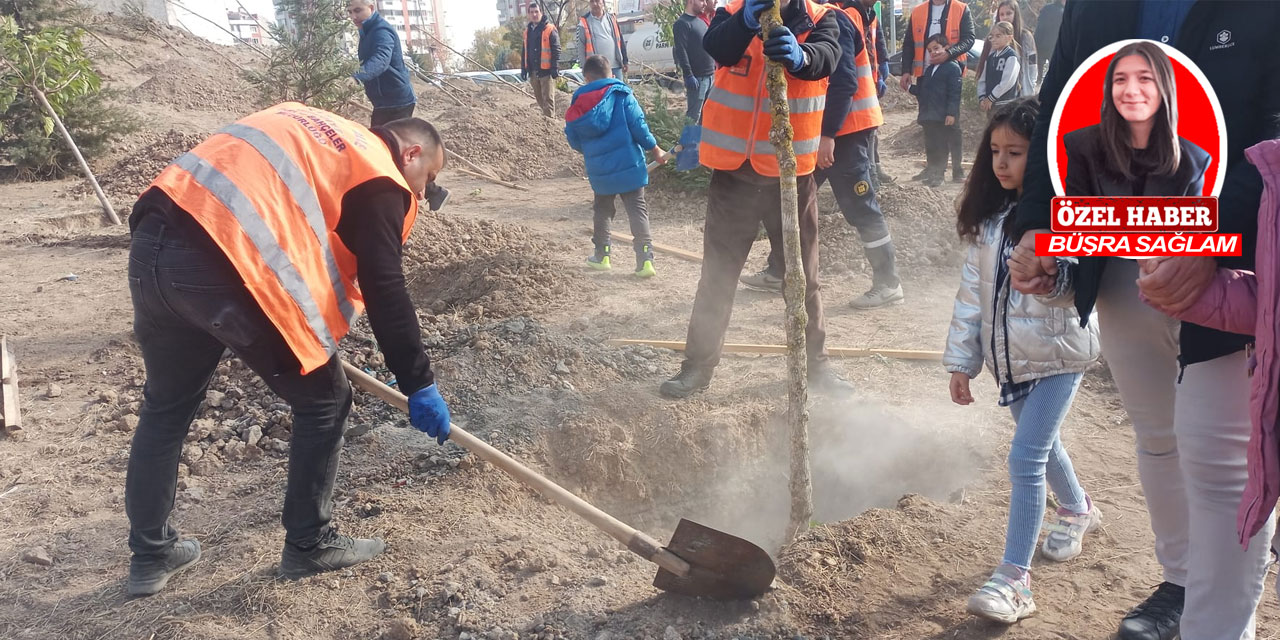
721	566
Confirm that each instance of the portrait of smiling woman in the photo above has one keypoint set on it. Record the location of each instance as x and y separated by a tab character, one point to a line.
1135	149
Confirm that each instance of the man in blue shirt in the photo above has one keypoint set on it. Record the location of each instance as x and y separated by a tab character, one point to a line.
382	70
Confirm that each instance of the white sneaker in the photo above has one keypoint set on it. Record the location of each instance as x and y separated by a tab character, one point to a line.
1006	597
1066	536
878	297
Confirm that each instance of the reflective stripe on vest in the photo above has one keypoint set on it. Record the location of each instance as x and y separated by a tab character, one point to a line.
865	112
546	46
587	36
736	118
268	189
920	29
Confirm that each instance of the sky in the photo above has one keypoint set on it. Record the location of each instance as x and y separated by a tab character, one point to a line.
463	17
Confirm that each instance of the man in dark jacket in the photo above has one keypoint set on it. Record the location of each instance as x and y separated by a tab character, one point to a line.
1191	433
382	70
695	63
540	59
1046	35
745	190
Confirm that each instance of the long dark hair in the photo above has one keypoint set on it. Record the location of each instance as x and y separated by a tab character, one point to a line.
1163	146
1019	28
983	196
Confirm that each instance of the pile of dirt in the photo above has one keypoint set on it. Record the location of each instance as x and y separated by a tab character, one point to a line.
146	154
515	141
485	269
910	137
921	221
188	85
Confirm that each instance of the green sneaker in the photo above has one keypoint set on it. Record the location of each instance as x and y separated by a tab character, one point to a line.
600	259
644	262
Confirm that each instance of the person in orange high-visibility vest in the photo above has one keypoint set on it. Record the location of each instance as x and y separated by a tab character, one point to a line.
844	159
745	190
952	19
268	239
599	35
540	59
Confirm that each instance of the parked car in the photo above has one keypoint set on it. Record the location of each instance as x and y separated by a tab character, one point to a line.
484	77
975	52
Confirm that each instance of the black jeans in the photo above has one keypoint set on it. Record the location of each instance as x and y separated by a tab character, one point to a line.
383	115
190	305
937	142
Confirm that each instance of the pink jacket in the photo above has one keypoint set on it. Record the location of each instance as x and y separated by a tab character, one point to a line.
1241	302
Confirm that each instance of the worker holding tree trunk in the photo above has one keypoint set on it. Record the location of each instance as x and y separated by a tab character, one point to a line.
844	160
253	241
744	188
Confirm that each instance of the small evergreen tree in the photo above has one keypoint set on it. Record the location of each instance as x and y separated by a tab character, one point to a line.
52	60
310	64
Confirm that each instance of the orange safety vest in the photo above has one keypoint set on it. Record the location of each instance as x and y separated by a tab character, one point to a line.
268	189
586	35
920	26
872	40
736	118
865	112
546	45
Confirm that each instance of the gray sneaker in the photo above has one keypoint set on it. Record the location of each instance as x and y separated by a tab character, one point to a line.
824	380
1006	597
149	574
1066	536
763	281
878	297
333	552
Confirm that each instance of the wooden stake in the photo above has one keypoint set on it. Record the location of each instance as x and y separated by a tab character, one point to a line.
110	48
679	253
838	352
10	416
781	135
504	183
84	166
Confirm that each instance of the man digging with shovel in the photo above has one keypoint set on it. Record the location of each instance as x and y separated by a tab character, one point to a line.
253	241
744	187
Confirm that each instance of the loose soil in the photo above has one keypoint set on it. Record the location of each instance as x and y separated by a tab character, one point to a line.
910	490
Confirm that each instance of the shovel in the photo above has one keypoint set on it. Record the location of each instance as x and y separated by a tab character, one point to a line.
699	561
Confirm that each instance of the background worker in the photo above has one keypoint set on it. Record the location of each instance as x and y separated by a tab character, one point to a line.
950	18
382	70
302	218
696	65
744	188
844	159
879	58
598	35
540	59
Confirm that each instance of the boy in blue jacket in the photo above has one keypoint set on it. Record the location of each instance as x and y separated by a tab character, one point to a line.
606	124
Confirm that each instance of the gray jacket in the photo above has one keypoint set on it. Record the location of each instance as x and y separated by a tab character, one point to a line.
1019	337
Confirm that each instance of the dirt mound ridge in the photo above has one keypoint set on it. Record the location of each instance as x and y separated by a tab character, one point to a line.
126	179
515	141
921	220
484	269
186	84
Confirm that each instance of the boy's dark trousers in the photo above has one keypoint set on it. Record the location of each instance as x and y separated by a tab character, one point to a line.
637	212
737	202
955	142
189	306
937	143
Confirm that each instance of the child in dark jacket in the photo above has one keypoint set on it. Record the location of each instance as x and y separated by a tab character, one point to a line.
606	124
938	93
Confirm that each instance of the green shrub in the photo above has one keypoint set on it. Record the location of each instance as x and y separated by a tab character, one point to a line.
666	124
309	63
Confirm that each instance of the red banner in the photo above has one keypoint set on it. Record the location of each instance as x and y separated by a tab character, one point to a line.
1138	245
1134	214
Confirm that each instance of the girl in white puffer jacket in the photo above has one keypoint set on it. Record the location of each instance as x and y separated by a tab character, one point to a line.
1037	352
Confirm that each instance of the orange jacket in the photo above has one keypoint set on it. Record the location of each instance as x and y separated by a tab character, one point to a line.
268	189
736	118
865	112
545	62
920	26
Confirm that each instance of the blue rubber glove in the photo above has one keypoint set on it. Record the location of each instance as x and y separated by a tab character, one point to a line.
884	70
690	83
783	47
751	11
428	413
880	87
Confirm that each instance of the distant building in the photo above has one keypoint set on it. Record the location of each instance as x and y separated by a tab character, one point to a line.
249	27
508	9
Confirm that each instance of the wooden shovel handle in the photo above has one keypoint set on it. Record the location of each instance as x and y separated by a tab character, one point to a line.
637	541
